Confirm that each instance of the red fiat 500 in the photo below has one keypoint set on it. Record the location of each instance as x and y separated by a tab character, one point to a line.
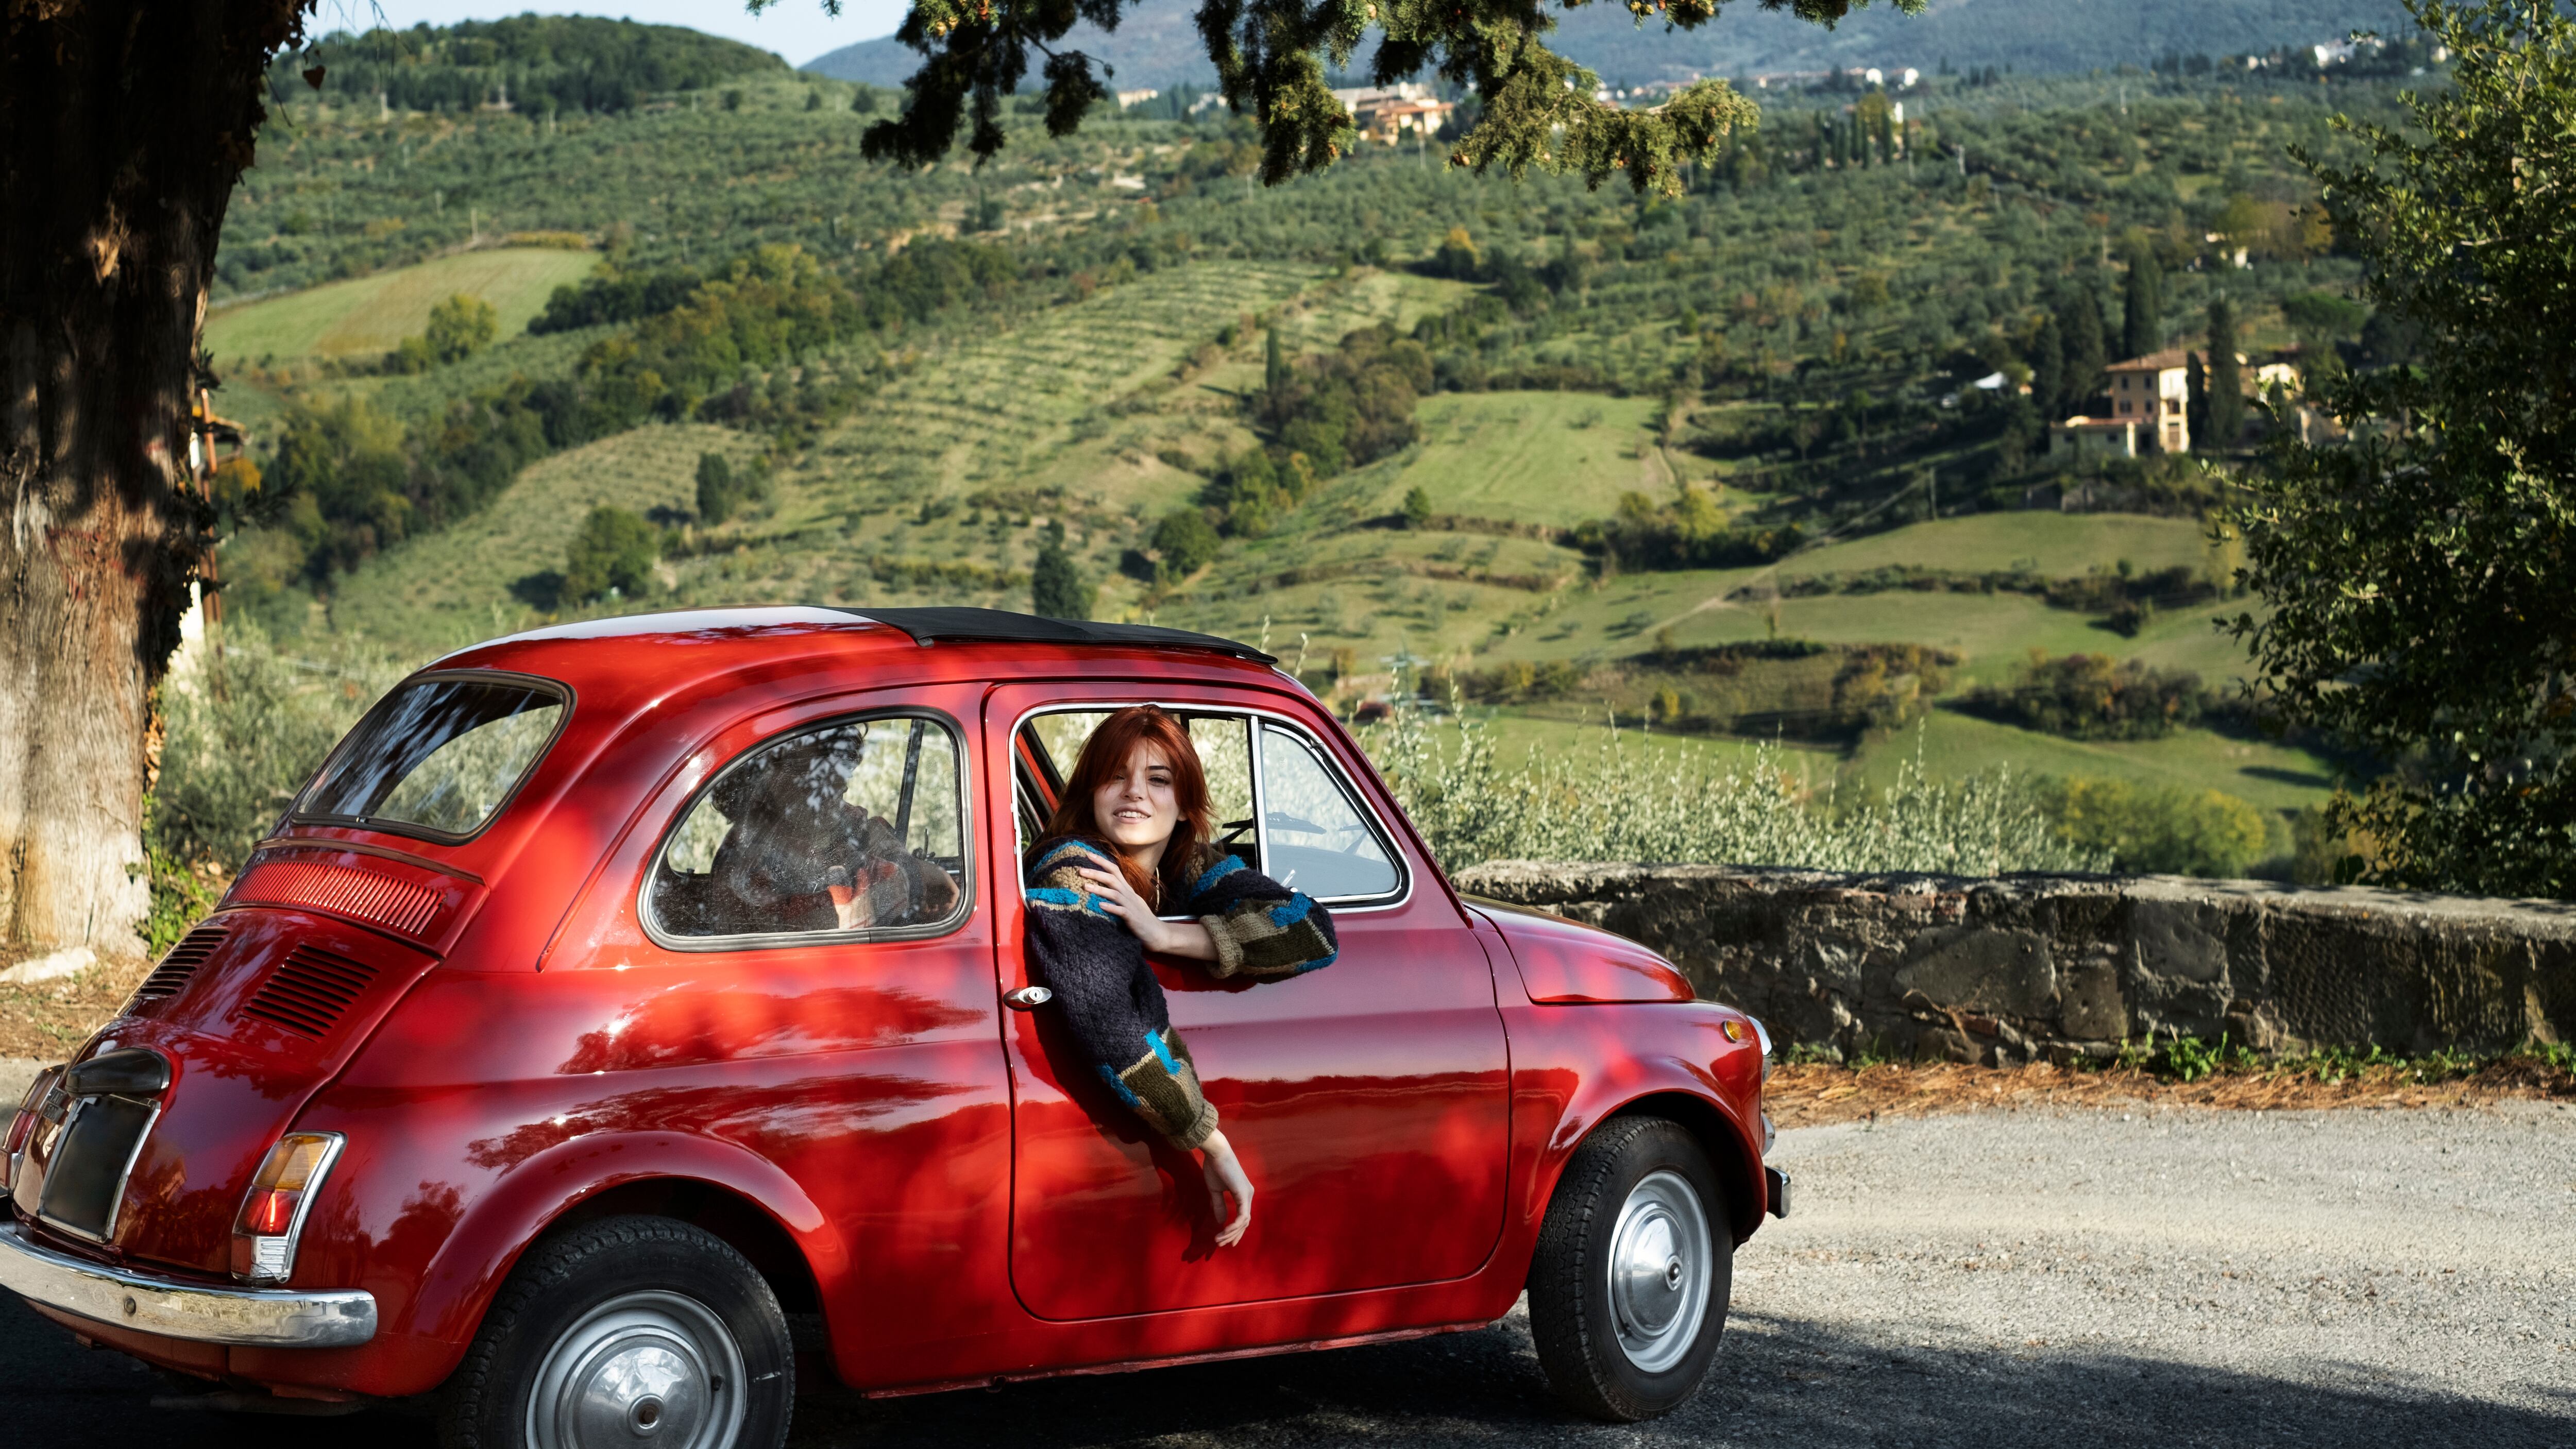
485	1079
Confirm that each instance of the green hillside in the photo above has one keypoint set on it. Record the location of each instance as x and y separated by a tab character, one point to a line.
367	315
1708	463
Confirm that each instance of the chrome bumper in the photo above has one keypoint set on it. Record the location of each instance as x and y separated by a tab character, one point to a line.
1778	1183
268	1317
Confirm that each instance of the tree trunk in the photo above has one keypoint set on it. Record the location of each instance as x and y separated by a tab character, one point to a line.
123	126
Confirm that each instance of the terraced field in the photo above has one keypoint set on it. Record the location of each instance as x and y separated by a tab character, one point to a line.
448	589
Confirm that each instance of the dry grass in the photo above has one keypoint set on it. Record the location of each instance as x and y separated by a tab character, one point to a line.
47	1020
1814	1095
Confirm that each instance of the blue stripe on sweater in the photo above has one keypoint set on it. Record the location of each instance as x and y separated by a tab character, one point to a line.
1162	1052
1115	1085
1082	901
1292	910
1226	865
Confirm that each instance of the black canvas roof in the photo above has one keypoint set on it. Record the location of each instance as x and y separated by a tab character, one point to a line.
1001	626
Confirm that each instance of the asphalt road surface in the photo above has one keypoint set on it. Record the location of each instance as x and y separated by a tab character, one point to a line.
2151	1278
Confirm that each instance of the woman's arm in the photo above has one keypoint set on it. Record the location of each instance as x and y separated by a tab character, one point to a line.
1256	926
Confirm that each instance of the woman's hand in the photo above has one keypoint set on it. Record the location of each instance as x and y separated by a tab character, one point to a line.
1225	1177
1170	938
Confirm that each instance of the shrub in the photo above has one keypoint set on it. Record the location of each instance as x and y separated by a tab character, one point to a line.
2159	832
614	550
2093	697
719	492
460	327
1186	542
245	729
1616	805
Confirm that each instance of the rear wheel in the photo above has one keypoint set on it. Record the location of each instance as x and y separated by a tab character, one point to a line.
631	1332
1628	1289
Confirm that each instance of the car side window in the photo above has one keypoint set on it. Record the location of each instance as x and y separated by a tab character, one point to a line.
1314	835
855	827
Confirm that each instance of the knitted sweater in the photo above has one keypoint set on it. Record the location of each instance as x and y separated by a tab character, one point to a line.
1111	1002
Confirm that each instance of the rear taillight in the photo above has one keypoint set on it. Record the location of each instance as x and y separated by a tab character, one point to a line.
272	1216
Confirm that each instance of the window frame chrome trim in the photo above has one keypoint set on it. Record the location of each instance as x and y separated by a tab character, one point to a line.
866	935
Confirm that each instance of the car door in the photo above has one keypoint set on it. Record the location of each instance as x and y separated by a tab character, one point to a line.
720	990
1367	1100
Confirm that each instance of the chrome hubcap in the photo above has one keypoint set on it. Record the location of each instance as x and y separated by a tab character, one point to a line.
651	1368
1659	1271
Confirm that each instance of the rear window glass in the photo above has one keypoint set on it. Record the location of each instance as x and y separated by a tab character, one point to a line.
437	755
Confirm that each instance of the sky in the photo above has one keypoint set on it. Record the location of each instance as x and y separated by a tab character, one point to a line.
796	29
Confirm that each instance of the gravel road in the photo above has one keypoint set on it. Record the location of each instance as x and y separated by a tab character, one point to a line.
2152	1278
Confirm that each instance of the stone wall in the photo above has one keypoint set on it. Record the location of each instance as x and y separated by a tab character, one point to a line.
2019	967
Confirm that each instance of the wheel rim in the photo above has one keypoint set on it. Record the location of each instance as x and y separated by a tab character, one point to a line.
650	1370
1660	1264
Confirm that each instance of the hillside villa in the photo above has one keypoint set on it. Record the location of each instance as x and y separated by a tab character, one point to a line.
1390	114
2147	397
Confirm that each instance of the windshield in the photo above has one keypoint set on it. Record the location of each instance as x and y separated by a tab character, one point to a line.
437	755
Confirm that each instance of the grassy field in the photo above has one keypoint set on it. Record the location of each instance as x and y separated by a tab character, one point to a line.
370	314
1538	457
2266	775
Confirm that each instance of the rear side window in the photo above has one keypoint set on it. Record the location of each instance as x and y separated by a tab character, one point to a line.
438	756
854	829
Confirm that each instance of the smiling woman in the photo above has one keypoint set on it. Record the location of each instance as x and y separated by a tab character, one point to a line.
1131	837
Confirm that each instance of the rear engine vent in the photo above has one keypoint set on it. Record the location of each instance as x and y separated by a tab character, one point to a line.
366	894
309	990
180	964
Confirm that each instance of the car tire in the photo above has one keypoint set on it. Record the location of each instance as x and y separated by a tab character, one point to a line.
1628	1289
622	1331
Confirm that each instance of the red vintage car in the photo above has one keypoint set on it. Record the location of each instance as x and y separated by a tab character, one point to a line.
486	1080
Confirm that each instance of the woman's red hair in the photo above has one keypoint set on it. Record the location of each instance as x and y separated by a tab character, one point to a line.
1109	747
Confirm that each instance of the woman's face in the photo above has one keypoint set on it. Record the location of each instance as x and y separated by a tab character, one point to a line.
1136	806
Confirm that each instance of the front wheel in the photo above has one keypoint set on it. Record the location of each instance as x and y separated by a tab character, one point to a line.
1628	1289
627	1333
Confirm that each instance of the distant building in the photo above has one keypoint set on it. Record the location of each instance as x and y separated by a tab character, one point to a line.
2152	391
2079	438
2148	401
1129	100
1389	114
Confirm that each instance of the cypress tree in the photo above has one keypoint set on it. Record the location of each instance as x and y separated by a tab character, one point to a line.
2080	321
2195	405
2048	370
2142	314
1274	374
1055	586
2226	379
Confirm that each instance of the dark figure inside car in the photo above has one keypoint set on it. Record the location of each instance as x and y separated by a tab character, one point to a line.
801	857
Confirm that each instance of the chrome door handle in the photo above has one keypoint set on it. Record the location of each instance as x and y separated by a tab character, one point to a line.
1028	998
